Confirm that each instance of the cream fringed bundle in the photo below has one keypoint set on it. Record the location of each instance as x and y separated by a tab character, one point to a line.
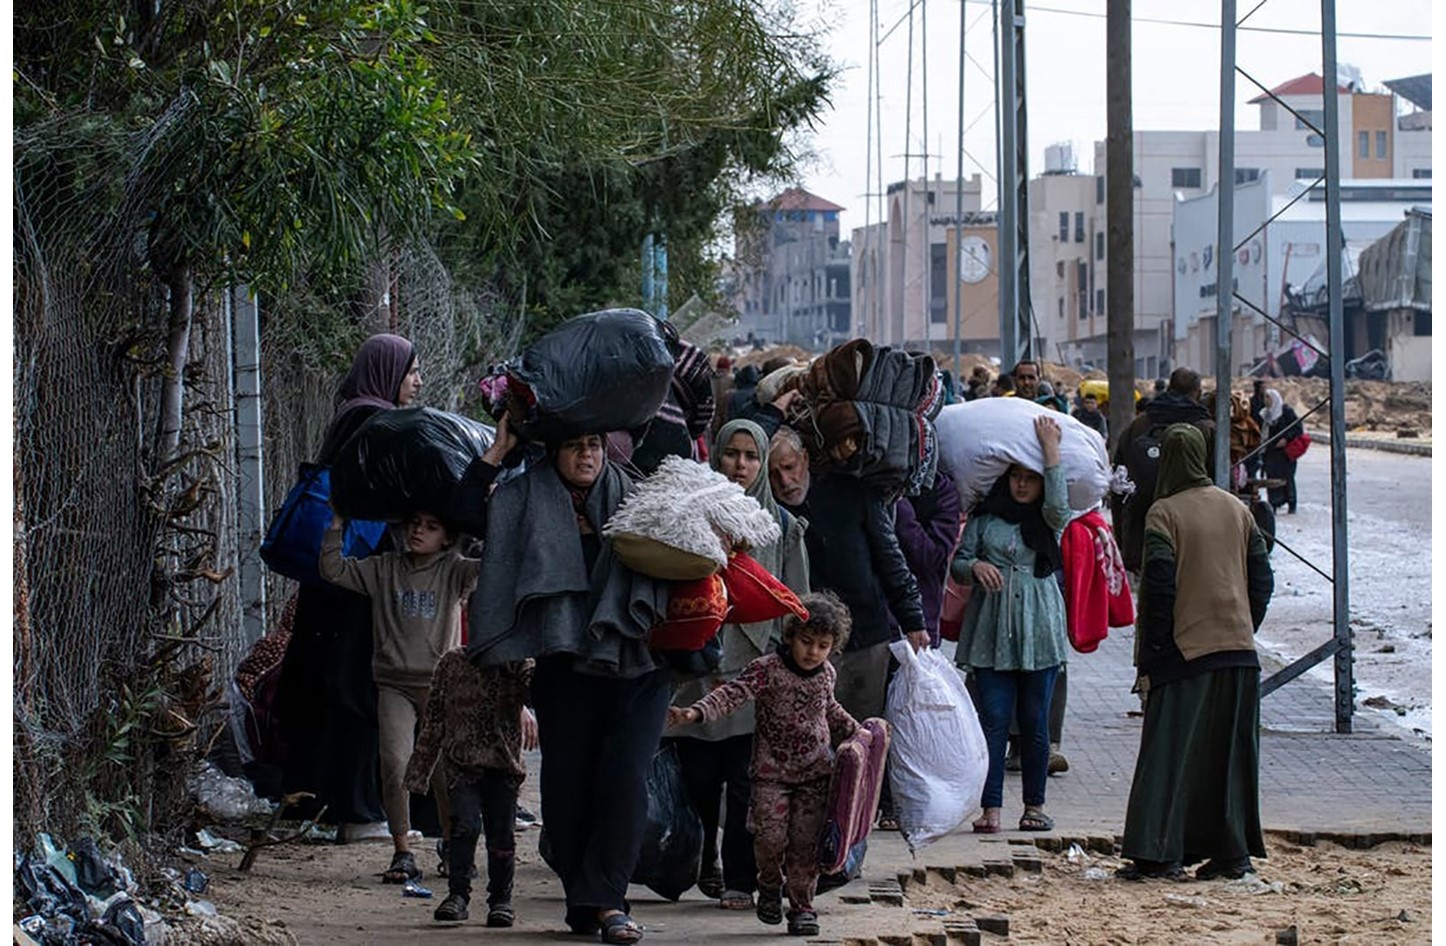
685	518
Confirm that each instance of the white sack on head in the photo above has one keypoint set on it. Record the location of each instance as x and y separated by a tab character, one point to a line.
686	505
979	440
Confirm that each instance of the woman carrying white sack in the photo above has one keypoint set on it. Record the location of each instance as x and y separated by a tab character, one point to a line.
1013	638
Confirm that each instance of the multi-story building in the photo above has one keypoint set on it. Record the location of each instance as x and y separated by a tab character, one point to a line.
790	276
1170	166
901	269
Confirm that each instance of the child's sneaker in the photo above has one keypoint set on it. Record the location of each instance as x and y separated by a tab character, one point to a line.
500	915
524	819
770	906
802	923
452	910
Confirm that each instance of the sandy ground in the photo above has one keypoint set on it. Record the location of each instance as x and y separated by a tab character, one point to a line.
329	894
1330	894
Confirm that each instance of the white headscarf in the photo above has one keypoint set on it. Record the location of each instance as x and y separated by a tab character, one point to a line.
1273	406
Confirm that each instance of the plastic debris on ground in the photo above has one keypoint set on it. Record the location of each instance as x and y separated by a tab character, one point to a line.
1191	903
1095	873
77	896
1251	883
211	844
196	881
201	908
226	798
413	889
1076	855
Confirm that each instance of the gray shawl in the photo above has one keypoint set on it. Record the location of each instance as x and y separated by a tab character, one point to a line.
742	643
535	597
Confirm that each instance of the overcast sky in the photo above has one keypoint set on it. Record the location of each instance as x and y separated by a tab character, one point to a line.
1176	76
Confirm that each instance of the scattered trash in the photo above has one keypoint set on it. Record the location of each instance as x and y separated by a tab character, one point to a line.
1076	854
75	896
201	908
1404	917
92	873
932	912
1289	936
226	798
196	880
1193	903
413	889
124	917
211	844
1095	873
1251	883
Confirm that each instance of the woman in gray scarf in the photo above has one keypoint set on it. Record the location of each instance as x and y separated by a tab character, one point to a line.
551	589
717	754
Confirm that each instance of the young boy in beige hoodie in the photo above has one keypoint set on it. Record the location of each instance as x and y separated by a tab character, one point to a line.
416	599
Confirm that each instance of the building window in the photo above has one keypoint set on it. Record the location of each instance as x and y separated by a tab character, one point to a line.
1380	144
1421	174
1061	306
938	283
1100	301
1082	282
1315	141
1059	269
1100	245
1315	116
1064	226
1100	189
1363	144
1246	175
1309	174
1184	177
1421	324
1079	227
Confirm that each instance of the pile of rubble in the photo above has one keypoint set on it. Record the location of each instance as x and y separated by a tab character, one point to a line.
1399	407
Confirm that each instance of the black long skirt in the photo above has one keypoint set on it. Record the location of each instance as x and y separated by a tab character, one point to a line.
1196	792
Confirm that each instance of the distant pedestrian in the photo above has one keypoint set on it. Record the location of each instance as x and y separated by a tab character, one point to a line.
1207	583
978	385
1089	414
798	721
1278	463
1002	386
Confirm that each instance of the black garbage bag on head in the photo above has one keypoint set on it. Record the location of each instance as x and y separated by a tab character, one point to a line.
404	460
672	851
602	371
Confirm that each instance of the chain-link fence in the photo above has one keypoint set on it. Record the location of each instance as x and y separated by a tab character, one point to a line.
127	602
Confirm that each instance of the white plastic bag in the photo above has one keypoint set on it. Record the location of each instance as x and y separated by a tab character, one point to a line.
979	440
938	758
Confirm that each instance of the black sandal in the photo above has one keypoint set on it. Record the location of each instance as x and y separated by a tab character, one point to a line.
620	930
1152	870
770	906
1232	868
501	915
1036	821
403	868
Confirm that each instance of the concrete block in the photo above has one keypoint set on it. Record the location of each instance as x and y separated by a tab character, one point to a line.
1001	868
997	923
946	874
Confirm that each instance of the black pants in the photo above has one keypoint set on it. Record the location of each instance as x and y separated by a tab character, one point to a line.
709	766
486	806
598	738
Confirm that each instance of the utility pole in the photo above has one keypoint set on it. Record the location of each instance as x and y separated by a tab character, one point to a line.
958	286
1119	216
1225	246
1016	337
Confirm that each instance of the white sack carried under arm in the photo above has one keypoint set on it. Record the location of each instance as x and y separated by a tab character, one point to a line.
938	758
979	440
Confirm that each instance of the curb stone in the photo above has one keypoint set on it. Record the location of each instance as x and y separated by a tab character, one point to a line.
1406	446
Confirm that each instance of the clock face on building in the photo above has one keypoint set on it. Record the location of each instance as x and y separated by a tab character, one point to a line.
973	259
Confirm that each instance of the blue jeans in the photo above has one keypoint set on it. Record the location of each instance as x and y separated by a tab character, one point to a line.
998	693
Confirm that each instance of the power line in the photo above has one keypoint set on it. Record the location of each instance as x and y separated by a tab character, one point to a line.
1162	21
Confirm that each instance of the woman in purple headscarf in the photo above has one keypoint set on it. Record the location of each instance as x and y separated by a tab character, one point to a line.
326	700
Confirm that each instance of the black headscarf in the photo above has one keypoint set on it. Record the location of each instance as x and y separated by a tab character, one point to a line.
1030	518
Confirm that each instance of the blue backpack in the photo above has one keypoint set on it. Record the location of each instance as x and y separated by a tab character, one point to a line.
292	546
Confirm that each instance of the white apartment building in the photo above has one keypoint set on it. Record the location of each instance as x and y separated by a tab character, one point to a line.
1170	166
900	267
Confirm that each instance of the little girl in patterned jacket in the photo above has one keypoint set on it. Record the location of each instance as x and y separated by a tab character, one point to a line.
799	721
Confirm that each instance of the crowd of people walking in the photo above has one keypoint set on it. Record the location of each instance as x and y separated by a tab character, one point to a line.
380	697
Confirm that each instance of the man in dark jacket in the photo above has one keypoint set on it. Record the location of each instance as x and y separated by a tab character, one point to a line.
1138	451
928	529
854	552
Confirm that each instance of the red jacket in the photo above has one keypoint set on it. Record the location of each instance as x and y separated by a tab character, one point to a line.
1096	587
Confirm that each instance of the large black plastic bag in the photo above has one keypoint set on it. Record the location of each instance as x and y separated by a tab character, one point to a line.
594	373
672	852
404	460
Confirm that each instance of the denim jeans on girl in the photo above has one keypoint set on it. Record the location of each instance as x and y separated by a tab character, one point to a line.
1002	696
